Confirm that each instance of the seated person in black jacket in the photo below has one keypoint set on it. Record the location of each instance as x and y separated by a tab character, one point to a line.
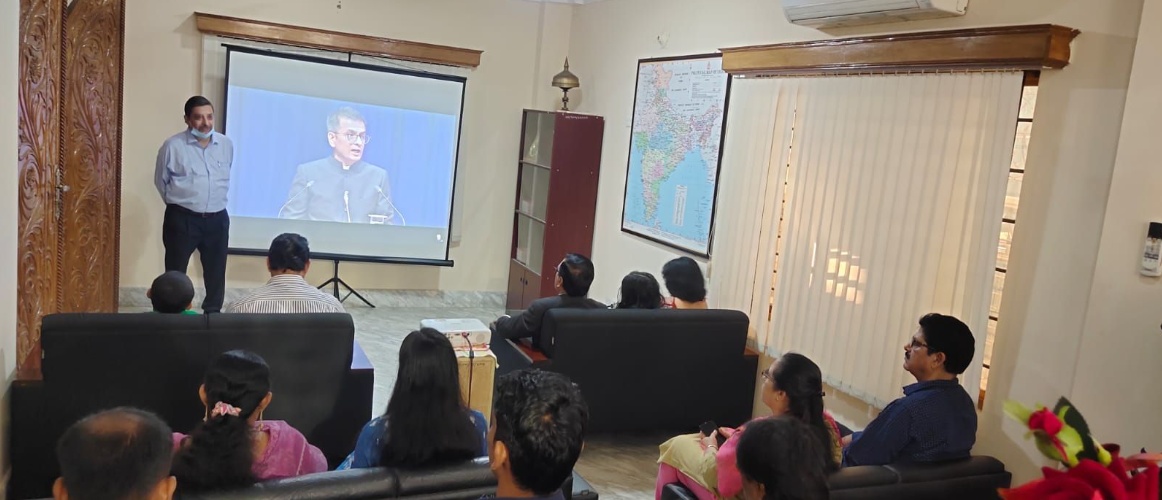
574	275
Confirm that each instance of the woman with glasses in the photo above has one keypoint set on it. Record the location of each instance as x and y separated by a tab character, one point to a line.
792	387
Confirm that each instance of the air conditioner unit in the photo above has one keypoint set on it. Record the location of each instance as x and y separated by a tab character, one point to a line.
832	13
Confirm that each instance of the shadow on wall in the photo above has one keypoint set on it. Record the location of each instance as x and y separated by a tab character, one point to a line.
5	407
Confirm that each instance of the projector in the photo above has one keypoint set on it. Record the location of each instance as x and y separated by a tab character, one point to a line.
465	334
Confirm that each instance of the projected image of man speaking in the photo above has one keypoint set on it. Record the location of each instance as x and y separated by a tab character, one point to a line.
341	187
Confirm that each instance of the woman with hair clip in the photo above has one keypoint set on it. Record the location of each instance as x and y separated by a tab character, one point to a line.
792	387
233	446
780	459
427	422
639	290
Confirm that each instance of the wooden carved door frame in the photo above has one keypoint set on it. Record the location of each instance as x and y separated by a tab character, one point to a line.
38	158
69	158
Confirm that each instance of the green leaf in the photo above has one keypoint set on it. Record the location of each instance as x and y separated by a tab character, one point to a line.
1072	417
1017	412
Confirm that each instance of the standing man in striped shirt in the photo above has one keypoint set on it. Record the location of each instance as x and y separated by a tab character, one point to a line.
288	260
192	176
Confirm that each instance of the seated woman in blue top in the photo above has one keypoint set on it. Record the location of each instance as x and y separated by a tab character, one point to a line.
427	422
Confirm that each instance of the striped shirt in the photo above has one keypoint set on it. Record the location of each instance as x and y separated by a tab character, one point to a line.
287	293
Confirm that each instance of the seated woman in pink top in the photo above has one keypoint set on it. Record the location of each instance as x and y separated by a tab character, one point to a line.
792	387
233	446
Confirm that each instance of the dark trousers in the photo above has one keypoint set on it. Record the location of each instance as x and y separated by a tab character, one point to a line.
184	231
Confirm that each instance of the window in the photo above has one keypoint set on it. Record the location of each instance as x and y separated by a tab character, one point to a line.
1009	219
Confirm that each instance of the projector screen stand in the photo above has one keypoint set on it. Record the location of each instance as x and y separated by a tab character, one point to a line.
336	282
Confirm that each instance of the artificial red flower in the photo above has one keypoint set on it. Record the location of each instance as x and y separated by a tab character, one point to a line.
1045	420
1090	481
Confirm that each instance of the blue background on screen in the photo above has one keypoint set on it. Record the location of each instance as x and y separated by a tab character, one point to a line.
274	133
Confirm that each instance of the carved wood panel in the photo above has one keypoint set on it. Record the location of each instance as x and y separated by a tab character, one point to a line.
91	133
38	160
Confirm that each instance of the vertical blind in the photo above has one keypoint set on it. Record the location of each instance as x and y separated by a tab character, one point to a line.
754	160
894	188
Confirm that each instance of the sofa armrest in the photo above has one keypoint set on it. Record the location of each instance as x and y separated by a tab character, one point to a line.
581	489
530	353
862	476
359	359
675	491
970	467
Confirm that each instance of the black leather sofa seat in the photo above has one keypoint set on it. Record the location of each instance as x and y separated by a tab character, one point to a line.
322	381
977	478
650	370
467	482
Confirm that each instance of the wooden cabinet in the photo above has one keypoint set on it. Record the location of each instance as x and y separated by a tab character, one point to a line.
556	200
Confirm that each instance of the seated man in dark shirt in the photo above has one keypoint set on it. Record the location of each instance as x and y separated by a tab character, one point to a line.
574	275
936	419
536	435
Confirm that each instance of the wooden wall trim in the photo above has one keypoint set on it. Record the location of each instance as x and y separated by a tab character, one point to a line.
1030	47
262	31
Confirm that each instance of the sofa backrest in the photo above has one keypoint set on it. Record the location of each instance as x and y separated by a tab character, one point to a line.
468	481
644	365
156	361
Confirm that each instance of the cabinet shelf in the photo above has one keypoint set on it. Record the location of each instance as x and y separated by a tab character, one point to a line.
538	165
530	216
525	267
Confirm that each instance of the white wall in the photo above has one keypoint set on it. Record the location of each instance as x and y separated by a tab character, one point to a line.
9	71
523	42
1117	367
1071	162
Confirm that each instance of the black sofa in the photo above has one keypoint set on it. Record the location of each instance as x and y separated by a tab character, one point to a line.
322	381
467	482
647	370
976	478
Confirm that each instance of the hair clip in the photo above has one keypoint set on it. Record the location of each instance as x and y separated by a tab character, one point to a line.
221	408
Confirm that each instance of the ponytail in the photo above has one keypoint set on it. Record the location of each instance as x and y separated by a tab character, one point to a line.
801	379
219	453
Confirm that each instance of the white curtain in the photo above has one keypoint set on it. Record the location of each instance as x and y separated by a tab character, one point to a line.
894	192
750	193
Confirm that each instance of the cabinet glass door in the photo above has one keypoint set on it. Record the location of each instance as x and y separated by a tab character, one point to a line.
534	191
538	138
530	242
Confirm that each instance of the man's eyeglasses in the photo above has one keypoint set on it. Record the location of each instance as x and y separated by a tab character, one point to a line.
916	344
352	137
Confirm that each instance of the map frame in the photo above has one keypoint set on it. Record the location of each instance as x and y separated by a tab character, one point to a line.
718	161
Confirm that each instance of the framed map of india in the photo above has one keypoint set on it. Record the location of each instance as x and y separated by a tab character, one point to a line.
679	117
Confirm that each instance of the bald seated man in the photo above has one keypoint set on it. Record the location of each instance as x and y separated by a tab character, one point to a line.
118	454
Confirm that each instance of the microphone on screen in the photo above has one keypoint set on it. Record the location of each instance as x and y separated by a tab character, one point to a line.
403	220
292	198
347	204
